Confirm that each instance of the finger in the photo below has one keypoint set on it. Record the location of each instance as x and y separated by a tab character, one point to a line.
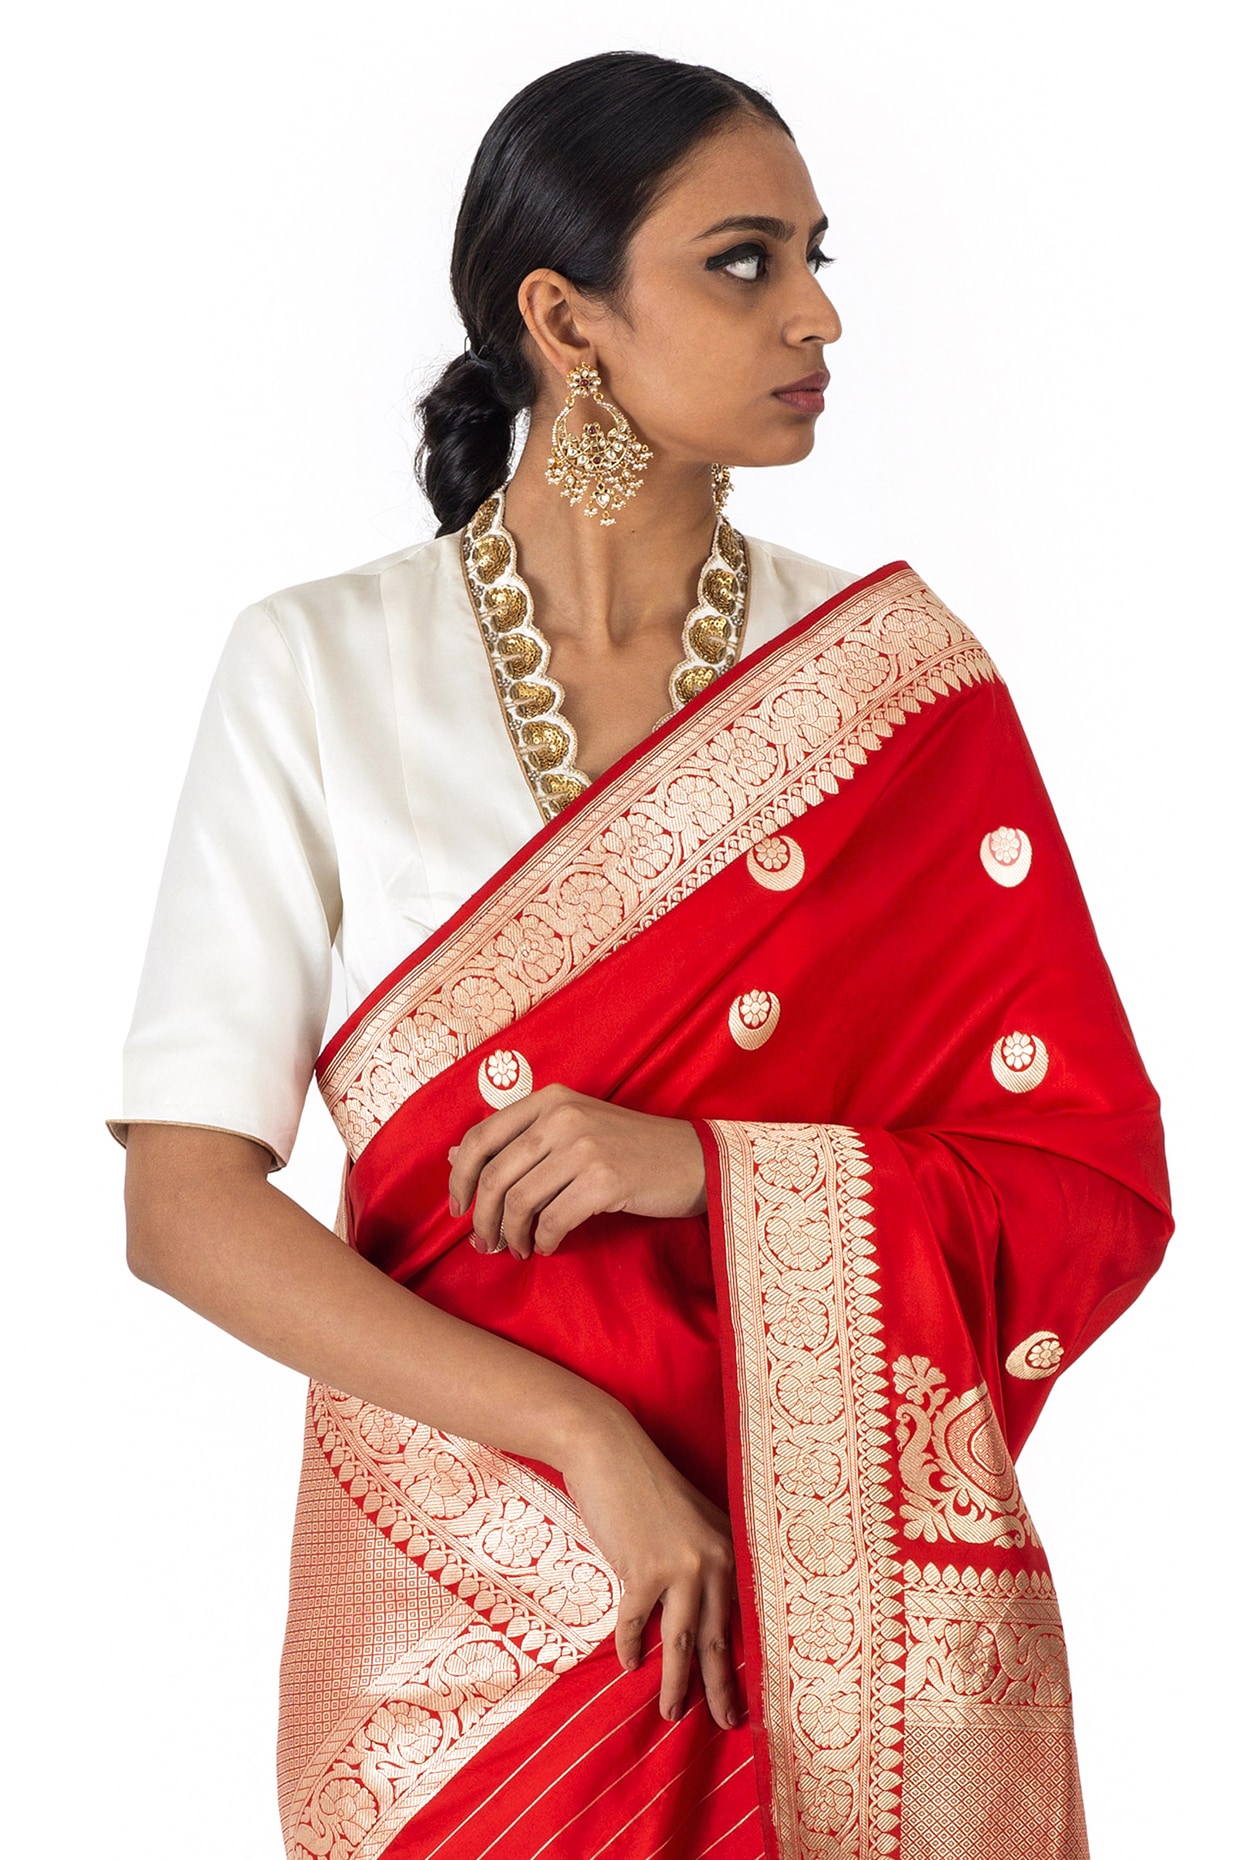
581	1196
525	1200
681	1611
484	1140
714	1652
630	1627
499	1177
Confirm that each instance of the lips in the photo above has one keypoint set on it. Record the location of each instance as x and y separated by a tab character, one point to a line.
806	395
808	384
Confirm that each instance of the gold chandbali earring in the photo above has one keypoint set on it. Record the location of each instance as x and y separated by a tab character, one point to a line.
720	484
612	461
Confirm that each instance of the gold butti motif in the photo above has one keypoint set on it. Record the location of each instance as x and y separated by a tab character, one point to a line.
816	1445
520	655
758	754
987	1695
753	1018
504	1076
442	1587
1039	1355
777	863
1006	855
958	1478
1019	1061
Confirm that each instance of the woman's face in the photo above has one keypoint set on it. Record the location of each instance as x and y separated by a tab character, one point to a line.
717	320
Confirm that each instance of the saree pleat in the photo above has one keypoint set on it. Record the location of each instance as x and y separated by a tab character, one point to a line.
826	913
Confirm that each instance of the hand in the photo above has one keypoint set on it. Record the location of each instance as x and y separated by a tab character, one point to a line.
668	1544
542	1166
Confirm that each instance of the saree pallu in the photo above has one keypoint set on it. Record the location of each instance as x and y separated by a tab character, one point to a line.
825	912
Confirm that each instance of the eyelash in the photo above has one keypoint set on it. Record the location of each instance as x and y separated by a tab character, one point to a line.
739	252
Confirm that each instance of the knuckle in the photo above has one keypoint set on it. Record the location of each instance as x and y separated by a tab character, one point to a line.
605	1179
684	1640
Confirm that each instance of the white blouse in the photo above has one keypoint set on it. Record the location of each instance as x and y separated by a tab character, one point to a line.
352	783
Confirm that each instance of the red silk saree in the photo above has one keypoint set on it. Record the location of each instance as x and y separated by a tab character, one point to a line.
826	912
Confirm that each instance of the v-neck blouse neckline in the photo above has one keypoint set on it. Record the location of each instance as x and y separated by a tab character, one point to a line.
532	700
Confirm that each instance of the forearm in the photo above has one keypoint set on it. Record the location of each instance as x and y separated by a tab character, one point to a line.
217	1236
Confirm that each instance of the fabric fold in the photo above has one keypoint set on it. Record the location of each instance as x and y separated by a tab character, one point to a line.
827	914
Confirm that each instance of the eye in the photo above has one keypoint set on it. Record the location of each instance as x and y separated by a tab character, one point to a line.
748	263
759	257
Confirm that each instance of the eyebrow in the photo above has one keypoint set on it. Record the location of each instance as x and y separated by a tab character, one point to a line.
762	222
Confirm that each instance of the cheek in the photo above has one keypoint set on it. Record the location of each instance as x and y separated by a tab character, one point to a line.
695	383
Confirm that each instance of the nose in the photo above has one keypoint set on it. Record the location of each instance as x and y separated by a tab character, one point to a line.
827	318
811	317
816	318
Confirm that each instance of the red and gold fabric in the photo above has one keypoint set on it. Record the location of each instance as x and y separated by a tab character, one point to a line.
826	912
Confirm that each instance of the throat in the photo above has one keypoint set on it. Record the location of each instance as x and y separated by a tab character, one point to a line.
615	698
571	714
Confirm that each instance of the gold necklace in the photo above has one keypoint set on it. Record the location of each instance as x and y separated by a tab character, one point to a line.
532	700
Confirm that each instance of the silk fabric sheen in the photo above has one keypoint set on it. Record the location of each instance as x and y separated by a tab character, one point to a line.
827	913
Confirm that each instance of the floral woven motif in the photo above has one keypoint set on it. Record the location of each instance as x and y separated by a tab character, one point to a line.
756	756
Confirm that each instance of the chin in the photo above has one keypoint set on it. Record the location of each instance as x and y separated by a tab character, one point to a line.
791	448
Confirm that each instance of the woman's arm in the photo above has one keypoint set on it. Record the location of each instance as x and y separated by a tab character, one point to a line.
206	1225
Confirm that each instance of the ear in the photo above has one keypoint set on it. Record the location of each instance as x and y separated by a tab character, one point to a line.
553	312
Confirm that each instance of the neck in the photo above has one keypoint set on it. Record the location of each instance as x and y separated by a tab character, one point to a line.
609	585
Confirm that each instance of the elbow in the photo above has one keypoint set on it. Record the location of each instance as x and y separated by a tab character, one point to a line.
184	1188
153	1222
146	1251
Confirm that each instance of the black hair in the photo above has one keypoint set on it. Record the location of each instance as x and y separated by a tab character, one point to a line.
562	178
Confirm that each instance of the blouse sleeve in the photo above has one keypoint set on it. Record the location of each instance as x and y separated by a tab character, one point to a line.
236	986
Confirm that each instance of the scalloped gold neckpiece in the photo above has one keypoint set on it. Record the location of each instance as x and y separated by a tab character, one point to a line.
532	700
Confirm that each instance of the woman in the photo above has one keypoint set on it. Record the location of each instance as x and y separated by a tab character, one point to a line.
742	1126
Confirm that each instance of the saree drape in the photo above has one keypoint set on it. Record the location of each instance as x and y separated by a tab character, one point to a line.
827	913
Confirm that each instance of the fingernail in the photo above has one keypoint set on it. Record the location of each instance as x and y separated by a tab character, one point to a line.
454	1207
453	1151
733	1720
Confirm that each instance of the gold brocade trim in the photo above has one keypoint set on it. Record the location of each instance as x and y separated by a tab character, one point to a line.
446	1596
984	1646
520	654
816	1445
756	755
990	1770
958	1478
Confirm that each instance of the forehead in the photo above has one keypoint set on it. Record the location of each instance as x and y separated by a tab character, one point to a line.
752	167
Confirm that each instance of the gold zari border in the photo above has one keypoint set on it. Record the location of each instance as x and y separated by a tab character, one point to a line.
440	1587
990	1768
816	1452
754	757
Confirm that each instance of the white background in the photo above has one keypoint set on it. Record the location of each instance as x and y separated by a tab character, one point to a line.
231	230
